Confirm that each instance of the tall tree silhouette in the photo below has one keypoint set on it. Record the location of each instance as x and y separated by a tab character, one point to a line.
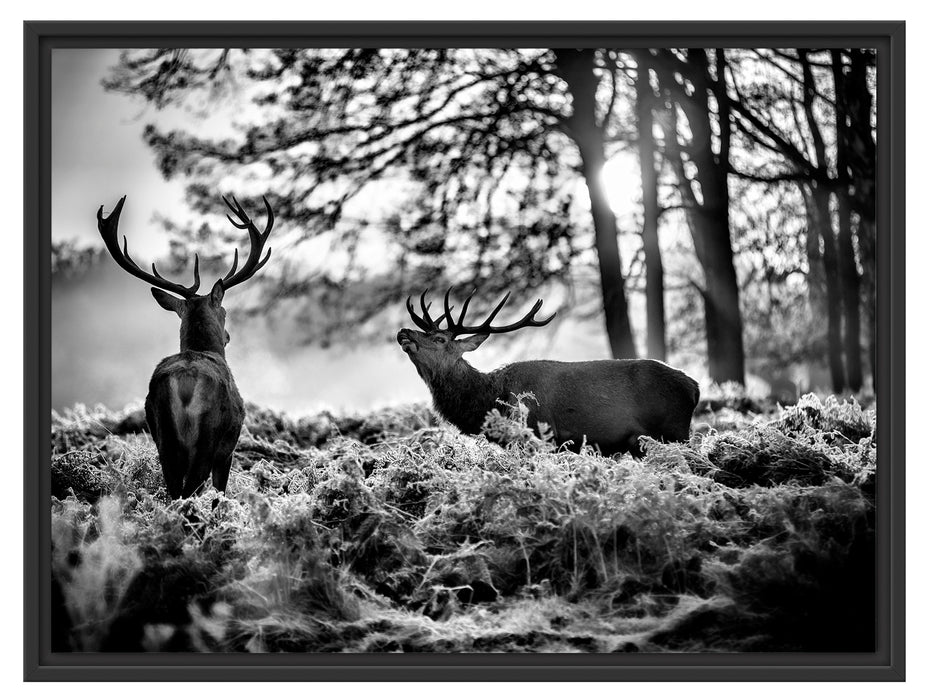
705	193
653	259
818	202
858	178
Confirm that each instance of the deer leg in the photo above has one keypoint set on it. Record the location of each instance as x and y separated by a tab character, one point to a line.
224	463
171	456
221	473
223	457
198	469
172	470
193	484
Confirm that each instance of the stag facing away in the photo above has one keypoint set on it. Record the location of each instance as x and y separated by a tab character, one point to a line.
193	408
606	403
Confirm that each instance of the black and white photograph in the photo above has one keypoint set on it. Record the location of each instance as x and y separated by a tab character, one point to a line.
464	350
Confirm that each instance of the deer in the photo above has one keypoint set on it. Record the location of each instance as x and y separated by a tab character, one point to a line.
608	404
193	408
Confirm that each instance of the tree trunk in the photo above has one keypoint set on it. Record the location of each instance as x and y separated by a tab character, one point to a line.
577	68
861	153
866	240
722	294
847	264
850	292
709	215
646	146
818	206
725	290
819	216
817	286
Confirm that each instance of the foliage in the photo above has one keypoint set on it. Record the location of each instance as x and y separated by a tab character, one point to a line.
70	258
469	146
391	532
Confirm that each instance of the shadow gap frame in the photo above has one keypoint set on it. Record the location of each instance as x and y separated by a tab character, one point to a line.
886	664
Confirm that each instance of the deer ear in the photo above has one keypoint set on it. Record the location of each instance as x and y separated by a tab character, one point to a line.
472	342
216	294
167	301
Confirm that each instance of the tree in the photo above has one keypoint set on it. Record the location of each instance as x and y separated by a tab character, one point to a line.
480	136
847	263
653	259
855	87
818	203
705	194
805	148
577	67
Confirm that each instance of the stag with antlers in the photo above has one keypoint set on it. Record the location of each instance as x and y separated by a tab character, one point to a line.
605	403
193	408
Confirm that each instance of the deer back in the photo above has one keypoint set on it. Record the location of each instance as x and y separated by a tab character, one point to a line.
607	402
195	413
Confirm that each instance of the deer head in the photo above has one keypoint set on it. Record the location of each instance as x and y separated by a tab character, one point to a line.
203	318
433	349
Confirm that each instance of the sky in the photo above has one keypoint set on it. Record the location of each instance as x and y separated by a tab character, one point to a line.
98	156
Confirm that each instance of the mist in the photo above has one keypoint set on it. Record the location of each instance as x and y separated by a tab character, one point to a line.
108	334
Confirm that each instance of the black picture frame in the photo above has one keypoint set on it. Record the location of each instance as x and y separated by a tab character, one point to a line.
888	661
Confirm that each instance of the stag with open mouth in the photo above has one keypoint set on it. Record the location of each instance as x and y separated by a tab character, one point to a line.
609	404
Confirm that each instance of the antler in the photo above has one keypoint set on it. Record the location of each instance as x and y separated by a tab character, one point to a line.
256	243
458	327
425	323
108	231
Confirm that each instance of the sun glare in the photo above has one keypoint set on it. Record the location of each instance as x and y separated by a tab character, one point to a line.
621	179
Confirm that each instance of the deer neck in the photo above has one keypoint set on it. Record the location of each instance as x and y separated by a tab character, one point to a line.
463	395
201	339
